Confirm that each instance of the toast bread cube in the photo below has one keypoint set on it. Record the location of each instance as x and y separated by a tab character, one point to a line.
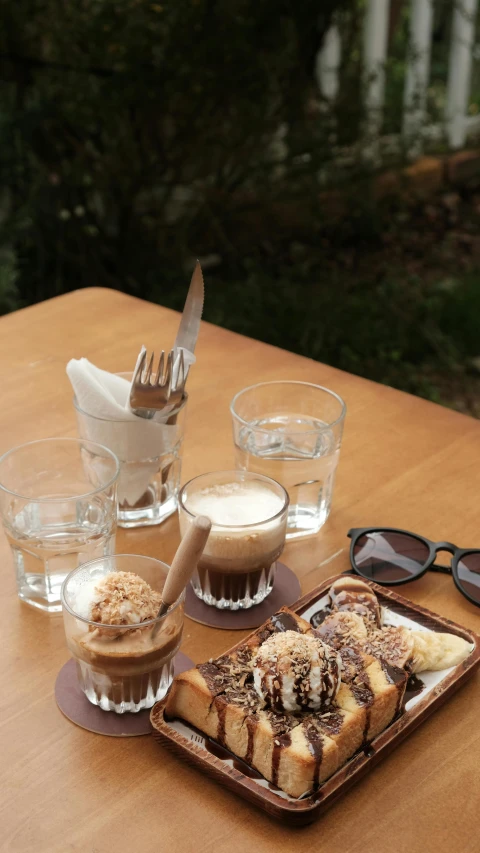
303	759
345	728
192	694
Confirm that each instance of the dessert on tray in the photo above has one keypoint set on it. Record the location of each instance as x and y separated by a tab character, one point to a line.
296	702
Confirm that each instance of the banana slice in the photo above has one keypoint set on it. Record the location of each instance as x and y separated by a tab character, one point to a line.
393	643
432	651
342	628
354	595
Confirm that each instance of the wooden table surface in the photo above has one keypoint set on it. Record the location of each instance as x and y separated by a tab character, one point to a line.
404	463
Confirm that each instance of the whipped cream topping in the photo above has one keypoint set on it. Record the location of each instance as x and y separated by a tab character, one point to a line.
296	672
236	504
119	598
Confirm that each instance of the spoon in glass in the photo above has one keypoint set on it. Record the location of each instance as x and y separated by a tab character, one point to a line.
184	564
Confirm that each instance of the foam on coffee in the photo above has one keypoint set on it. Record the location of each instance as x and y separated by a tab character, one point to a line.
245	532
236	504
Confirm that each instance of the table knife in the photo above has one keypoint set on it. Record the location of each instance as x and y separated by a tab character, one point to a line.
192	313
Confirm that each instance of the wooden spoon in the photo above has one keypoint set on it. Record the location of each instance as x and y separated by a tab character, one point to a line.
184	563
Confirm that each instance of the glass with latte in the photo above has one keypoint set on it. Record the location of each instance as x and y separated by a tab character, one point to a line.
249	521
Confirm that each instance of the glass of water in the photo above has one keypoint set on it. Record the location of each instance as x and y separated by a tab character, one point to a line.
58	506
292	432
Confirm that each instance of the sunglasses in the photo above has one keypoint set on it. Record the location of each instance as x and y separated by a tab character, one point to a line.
392	557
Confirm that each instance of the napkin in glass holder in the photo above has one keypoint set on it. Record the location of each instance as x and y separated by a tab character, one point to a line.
149	450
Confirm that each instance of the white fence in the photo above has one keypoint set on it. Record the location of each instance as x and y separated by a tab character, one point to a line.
457	124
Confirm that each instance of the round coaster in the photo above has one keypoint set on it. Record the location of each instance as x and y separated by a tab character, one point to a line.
75	705
286	590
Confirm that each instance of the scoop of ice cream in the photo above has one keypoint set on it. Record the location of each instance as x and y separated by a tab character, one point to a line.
119	598
296	672
355	595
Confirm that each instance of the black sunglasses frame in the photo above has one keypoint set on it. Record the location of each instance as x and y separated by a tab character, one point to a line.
434	547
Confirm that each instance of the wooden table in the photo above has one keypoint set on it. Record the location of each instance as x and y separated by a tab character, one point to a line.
404	463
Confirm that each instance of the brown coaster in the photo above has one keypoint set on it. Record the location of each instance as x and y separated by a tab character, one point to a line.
75	705
286	590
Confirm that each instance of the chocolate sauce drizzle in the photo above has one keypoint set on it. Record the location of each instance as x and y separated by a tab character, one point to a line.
314	740
396	676
276	686
300	696
285	622
264	635
222	752
320	617
209	672
355	675
414	687
251	725
331	723
364	605
221	713
279	743
215	678
364	696
354	595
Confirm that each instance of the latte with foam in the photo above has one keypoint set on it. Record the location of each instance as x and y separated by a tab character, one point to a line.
248	517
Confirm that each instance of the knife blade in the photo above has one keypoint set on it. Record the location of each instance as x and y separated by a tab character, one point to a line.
192	313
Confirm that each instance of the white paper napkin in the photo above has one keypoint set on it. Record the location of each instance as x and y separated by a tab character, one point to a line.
137	442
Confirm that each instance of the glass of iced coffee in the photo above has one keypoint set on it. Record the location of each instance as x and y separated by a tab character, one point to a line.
123	651
249	519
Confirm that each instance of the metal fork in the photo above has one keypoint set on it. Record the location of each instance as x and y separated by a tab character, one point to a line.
150	392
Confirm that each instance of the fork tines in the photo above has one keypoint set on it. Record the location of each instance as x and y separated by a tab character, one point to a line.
147	375
168	383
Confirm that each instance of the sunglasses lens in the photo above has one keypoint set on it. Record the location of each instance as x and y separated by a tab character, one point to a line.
468	571
385	556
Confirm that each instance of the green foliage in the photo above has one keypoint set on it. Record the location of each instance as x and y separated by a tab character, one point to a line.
137	135
122	121
386	328
9	296
459	314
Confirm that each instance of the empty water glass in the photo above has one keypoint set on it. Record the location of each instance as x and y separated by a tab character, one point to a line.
58	506
292	432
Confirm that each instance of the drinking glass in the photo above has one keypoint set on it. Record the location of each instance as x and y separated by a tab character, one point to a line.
58	507
122	667
292	432
150	467
237	567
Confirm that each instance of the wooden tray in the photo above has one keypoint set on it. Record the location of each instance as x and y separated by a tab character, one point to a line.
198	749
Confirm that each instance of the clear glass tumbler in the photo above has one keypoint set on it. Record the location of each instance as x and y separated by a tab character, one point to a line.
292	432
150	457
122	667
58	506
237	567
